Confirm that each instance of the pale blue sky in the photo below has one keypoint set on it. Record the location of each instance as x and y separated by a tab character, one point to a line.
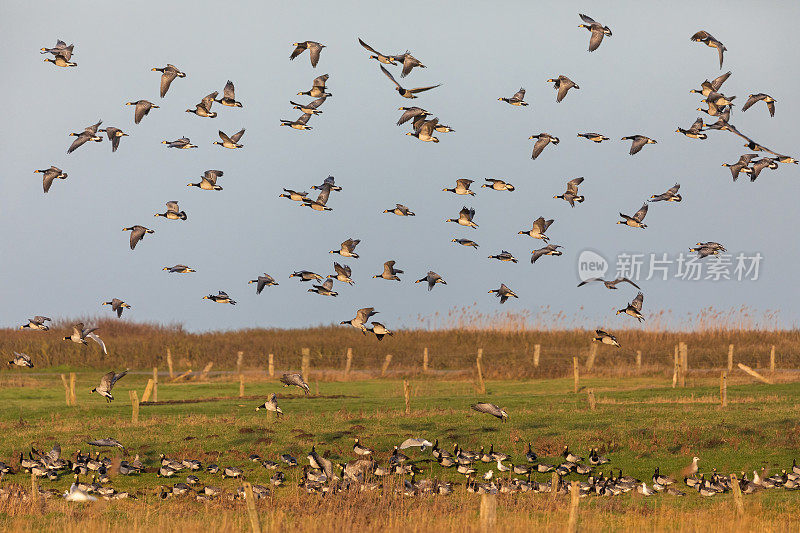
64	253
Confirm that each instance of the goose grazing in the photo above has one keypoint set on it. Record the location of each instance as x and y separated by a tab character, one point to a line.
462	187
571	194
295	380
497	185
49	175
504	256
400	210
634	308
209	181
695	130
137	234
231	142
379	330
117	306
220	298
389	272
562	84
314	49
709	40
466	242
465	217
182	144
406	93
318	89
542	140
179	269
638	142
294	195
107	383
362	316
491	409
262	281
531	456
504	293
597	30
605	338
325	289
432	278
305	275
538	228
89	133
311	108
347	248
229	96
168	75
37	323
271	405
753	98
636	220
612	284
742	165
141	109
594	137
343	273
550	249
21	359
517	99
173	212
114	136
671	195
300	124
203	108
423	130
80	334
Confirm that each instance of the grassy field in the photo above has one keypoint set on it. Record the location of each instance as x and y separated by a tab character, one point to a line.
639	423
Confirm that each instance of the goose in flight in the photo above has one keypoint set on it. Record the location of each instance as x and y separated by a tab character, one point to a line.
400	210
347	248
114	136
634	308
562	84
263	281
504	256
389	272
203	108
381	58
182	144
542	140
423	130
462	187
89	133
594	137
37	323
466	242
293	195
635	221
597	30
504	293
671	195
107	383
80	334
271	405
538	228
571	194
490	409
406	93
141	109
409	62
295	379
117	306
379	330
753	98
638	142
137	234
314	49
550	249
318	89
706	38
465	217
708	87
605	338
300	124
611	284
695	130
173	212
497	185
168	75
361	318
517	99
742	165
311	108
343	273
209	181
229	96
179	269
21	359
325	289
305	275
231	142
432	278
49	175
61	54
220	298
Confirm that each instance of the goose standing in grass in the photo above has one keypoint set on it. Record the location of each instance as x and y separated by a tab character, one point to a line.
221	298
347	248
262	281
491	409
671	195
318	89
314	49
571	194
362	317
753	98
695	130
229	96
431	278
538	228
89	133
168	75
141	109
742	165
114	136
465	217
343	273
305	275
605	338
635	221
173	212
466	242
517	99
389	272
406	93
295	380
137	234
80	333
179	269
379	330
360	449
504	293
597	30
182	144
562	84
325	289
311	108
300	124
462	187
497	185
638	142
550	249
117	306
706	38
37	323
542	140
209	181
611	284
21	359
107	383
594	137
49	175
231	142
271	405
504	256
401	211
634	308
203	108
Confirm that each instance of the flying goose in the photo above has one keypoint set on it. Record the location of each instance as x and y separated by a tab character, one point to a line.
117	306
705	251
173	212
347	248
168	74
612	284
562	84
596	29
318	89
542	140
179	269
37	323
314	49
49	175
271	405
709	40
326	289
741	165
381	58
361	318
466	242
312	107
432	278
183	143
61	54
423	130
142	109
114	136
295	379
379	330
538	228
550	249
409	113
503	293
753	98
406	93
80	334
209	181
465	217
760	164
715	85
389	272
504	256
594	137
21	359
694	131
89	133
491	409
229	96
343	273
638	142
300	124
670	196
305	275
634	308
107	383
517	99
400	210
636	220
713	245
220	298
328	184
137	234
462	187
409	62
203	108
263	281
605	338
293	195
231	142
497	185
571	194
320	203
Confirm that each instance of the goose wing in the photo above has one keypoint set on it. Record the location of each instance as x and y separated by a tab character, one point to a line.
238	135
141	109
596	39
488	408
539	145
389	75
625	280
368	47
519	95
208	100
638	142
587	19
637	302
362	315
167	78
584	282
314	49
640	214
752	100
572	185
229	91
320	81
98	340
224	137
212	175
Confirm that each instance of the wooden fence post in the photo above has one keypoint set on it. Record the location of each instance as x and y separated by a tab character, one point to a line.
537	350
478	361
575	373
72	399
555	483
425	359
348	363
305	362
592	400
737	495
169	364
134	406
241	386
250	503
488	512
730	357
407	396
684	354
754	373
66	388
148	391
638	360
675	368
723	388
772	359
575	498
155	383
592	355
271	366
386	363
206	370
239	357
178	377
